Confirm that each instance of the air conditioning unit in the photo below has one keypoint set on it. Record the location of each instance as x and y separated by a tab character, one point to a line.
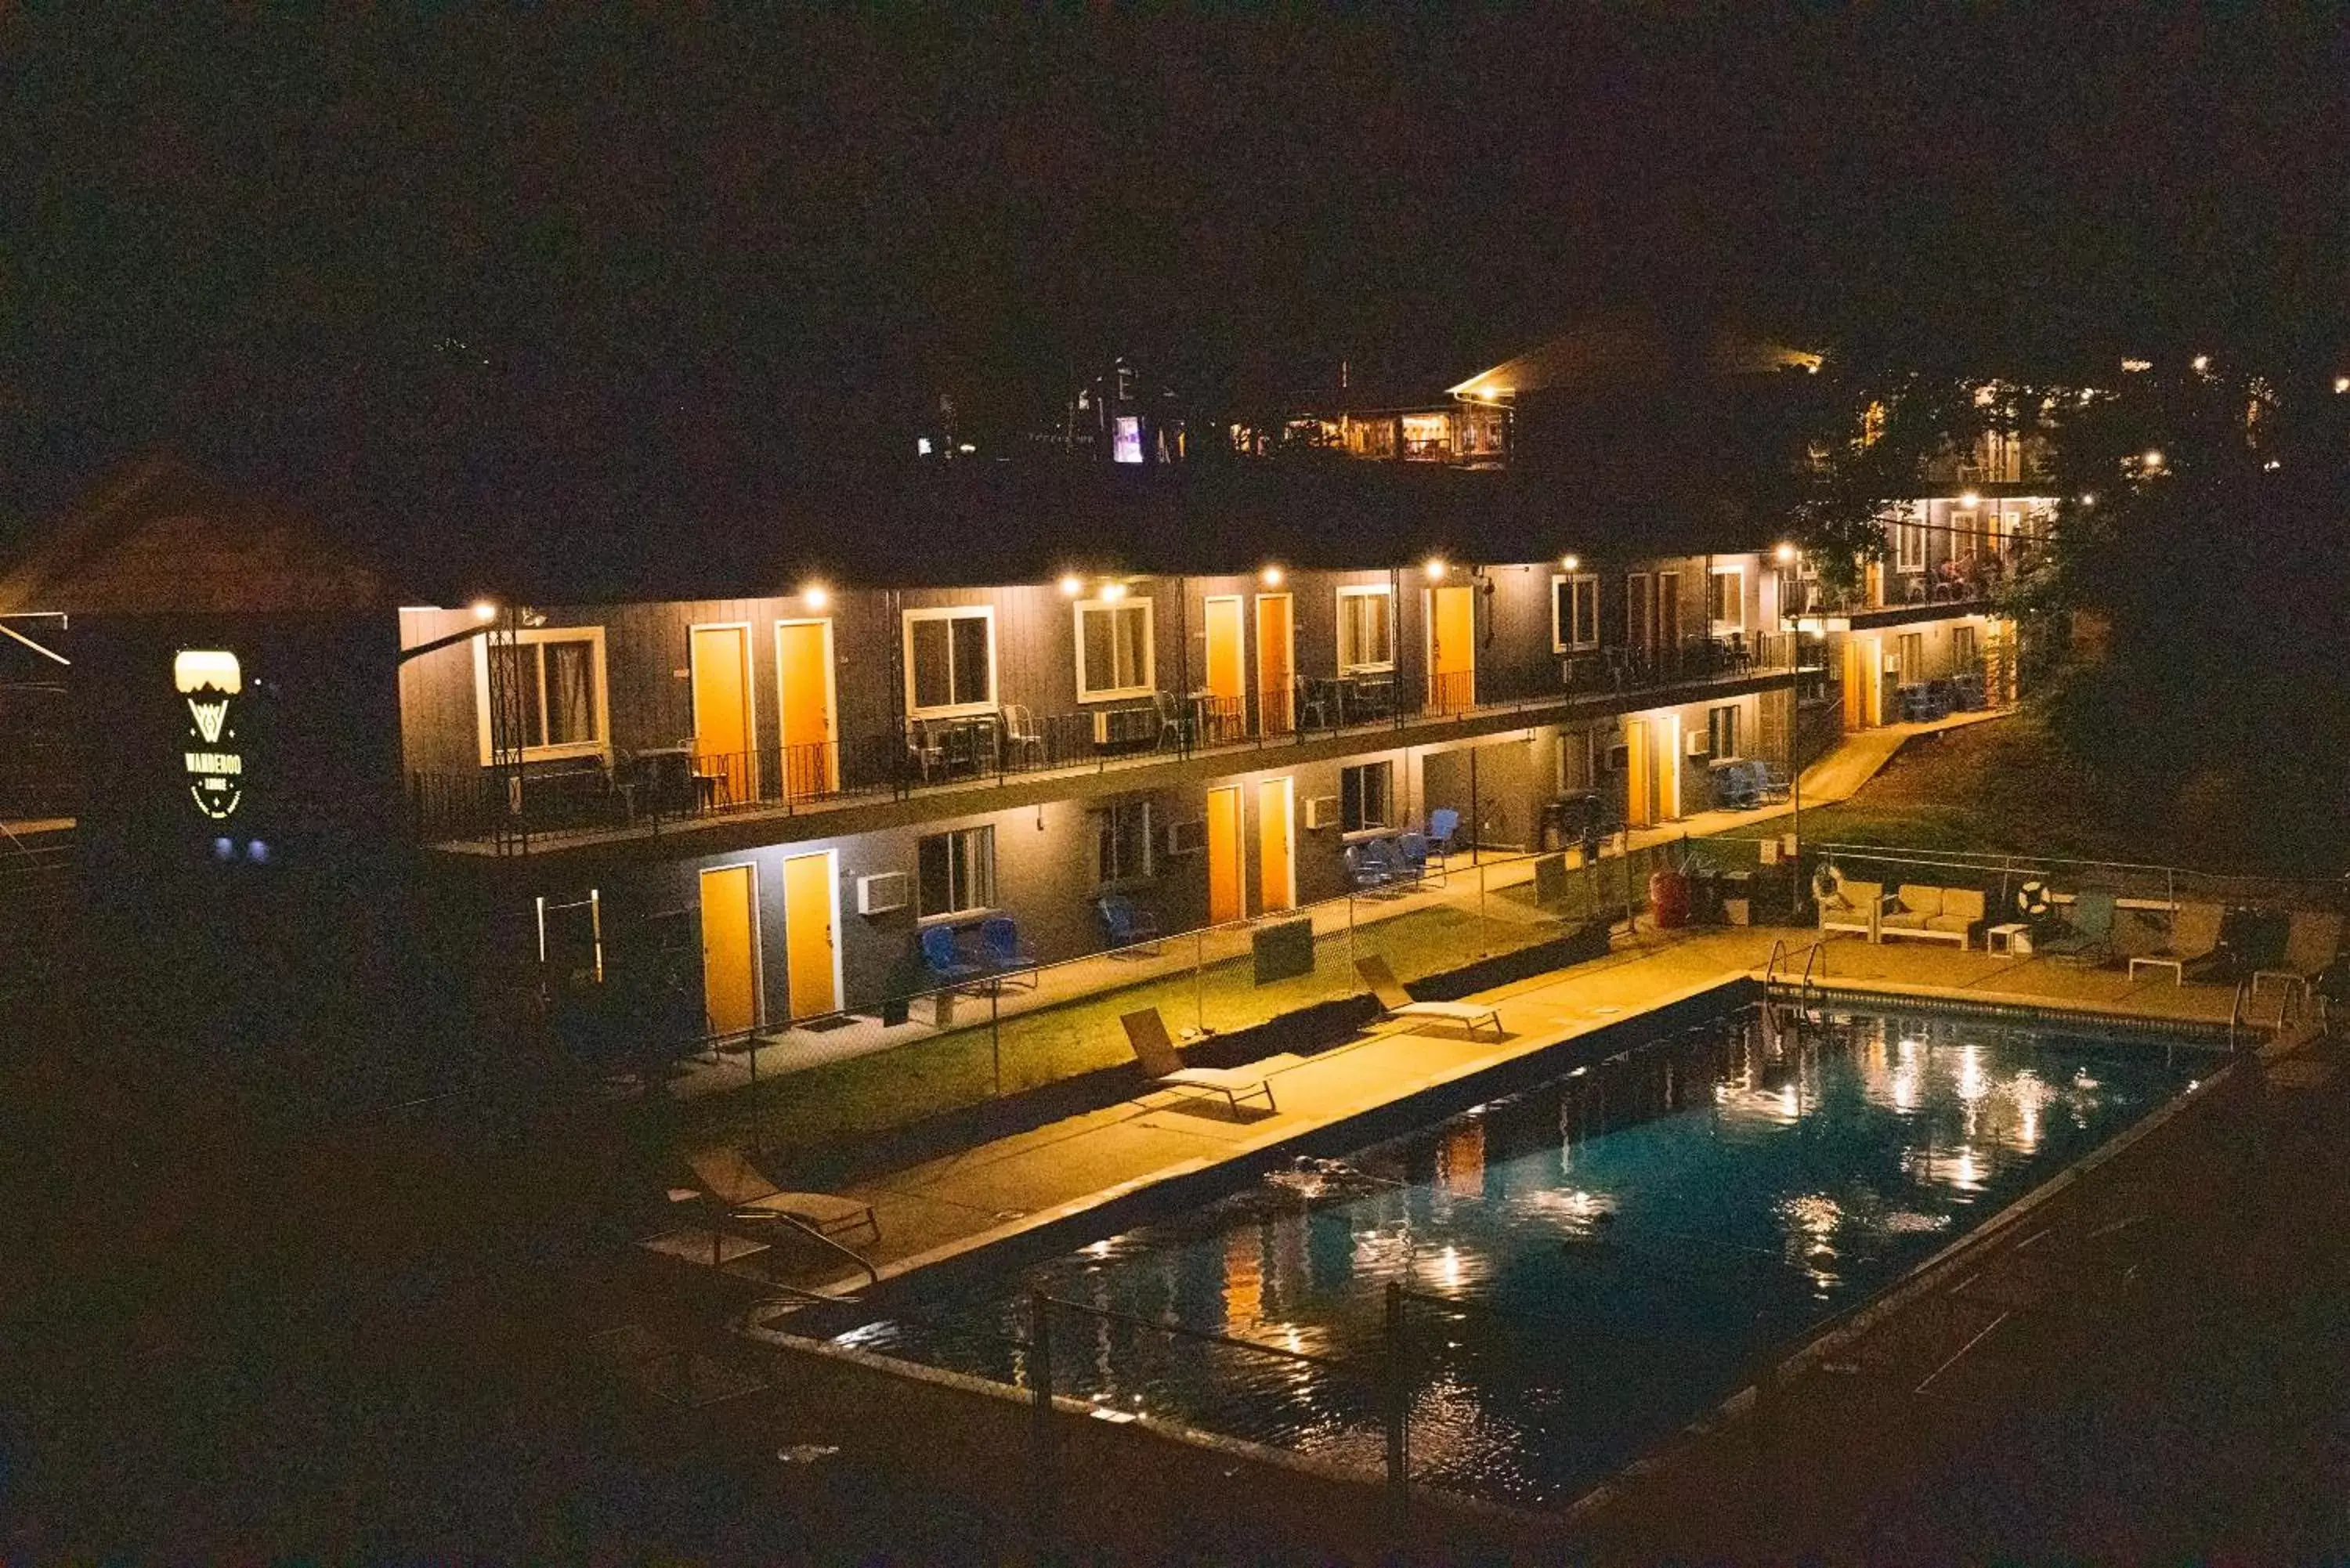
1321	810
1700	745
1620	757
884	891
1186	838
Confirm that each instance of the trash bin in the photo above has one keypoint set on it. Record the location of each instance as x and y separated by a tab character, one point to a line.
1738	897
1668	896
1705	896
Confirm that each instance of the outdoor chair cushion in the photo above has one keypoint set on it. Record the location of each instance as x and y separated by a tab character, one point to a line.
1918	904
1854	899
1962	909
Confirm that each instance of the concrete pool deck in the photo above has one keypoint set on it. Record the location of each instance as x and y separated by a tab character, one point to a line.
993	1191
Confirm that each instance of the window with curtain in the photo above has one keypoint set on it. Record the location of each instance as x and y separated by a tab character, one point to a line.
1122	842
1575	611
1730	598
1114	652
1366	629
1721	731
556	677
956	871
951	661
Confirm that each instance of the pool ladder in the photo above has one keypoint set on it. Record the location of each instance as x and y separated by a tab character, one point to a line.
1815	953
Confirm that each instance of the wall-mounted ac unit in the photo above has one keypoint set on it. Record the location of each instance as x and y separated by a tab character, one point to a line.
1321	810
882	892
1620	757
1186	838
1700	745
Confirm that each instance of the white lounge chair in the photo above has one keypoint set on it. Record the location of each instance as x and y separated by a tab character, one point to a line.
1396	1002
1147	1037
737	1183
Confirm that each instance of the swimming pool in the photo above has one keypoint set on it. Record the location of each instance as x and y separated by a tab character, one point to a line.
1589	1264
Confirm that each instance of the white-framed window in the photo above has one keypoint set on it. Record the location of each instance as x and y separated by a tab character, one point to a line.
951	661
558	678
1573	611
1366	797
1122	842
955	871
1729	599
1114	650
1365	628
1909	540
1721	731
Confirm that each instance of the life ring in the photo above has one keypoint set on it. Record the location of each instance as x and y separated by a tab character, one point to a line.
1827	883
2032	900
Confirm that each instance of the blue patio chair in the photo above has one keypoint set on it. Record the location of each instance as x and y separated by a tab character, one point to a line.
1365	874
1381	861
999	945
1411	855
1127	926
945	960
1442	824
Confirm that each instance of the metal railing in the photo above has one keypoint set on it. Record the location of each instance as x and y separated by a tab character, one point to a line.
661	788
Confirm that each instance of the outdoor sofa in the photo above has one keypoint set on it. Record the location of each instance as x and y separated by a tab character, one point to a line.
1936	914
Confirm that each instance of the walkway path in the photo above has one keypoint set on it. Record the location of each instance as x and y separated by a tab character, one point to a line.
1855	760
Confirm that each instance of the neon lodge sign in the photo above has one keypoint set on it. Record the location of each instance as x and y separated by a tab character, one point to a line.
209	681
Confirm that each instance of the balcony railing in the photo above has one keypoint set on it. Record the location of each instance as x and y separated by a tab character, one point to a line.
658	790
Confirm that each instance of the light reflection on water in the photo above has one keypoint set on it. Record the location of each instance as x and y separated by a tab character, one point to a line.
1591	1263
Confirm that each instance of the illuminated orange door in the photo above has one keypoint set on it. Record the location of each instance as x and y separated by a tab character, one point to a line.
721	707
1275	665
810	942
1639	784
1227	671
1224	871
1452	648
730	949
1855	700
803	690
1276	859
1669	767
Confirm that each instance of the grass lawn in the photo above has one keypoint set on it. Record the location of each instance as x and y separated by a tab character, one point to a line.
1999	788
826	1107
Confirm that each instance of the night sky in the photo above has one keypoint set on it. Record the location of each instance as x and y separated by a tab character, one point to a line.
240	235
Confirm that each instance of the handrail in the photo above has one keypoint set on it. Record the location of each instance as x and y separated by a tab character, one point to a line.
1819	951
1771	969
813	1234
2236	1013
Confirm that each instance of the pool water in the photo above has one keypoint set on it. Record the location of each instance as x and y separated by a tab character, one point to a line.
1590	1264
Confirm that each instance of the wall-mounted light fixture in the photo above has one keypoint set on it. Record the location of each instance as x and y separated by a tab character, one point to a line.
1434	568
1570	561
1271	577
1072	584
814	595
